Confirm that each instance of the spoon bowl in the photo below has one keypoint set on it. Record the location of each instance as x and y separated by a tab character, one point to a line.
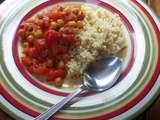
102	75
99	76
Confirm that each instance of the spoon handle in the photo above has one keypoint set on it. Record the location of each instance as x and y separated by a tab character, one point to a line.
47	114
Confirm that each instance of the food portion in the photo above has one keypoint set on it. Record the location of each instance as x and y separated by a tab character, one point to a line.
59	43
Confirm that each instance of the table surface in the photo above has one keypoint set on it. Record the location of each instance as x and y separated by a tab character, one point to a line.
153	112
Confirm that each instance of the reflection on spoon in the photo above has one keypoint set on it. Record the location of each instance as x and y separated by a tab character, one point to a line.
99	75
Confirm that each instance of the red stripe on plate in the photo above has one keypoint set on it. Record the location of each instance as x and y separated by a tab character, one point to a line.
16	103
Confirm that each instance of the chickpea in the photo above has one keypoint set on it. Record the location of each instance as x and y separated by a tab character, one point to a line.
65	30
26	45
76	30
78	7
30	38
49	63
60	22
71	17
25	26
21	33
79	24
75	10
40	16
38	33
31	20
46	21
54	25
80	15
61	65
71	24
37	21
26	51
67	10
58	82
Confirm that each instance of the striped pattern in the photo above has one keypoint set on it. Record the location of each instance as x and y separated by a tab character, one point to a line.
30	99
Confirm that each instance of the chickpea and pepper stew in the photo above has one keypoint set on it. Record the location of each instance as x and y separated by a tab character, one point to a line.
47	41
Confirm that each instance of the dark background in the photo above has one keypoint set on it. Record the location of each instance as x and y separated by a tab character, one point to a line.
1	1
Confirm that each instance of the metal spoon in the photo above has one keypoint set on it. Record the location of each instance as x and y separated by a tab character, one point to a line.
99	76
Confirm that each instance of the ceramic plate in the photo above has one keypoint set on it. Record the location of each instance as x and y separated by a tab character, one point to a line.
23	97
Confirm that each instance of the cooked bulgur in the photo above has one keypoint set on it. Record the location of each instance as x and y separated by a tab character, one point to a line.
102	35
